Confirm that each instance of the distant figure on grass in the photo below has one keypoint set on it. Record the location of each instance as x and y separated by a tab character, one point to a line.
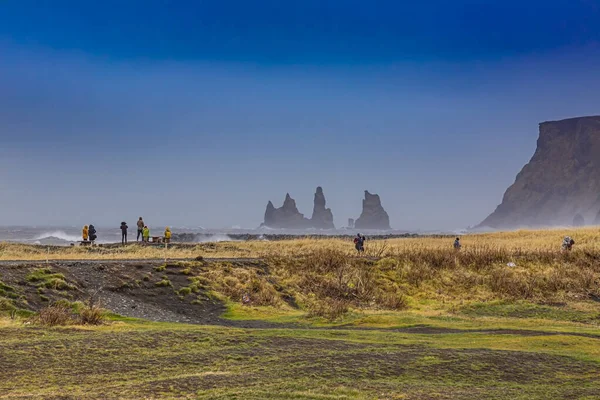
167	235
92	233
146	234
359	243
124	228
568	243
140	226
85	233
457	244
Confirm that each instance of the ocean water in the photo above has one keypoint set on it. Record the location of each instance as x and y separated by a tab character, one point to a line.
66	235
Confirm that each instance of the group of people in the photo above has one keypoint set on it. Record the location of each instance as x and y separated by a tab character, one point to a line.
89	233
567	244
359	243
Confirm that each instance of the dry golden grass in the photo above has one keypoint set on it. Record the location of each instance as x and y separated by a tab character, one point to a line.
525	240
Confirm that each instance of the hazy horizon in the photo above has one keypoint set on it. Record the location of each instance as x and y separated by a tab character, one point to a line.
199	114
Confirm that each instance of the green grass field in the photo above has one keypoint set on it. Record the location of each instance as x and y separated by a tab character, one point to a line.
493	352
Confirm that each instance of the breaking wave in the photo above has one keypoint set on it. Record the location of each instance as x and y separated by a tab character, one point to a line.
214	238
60	235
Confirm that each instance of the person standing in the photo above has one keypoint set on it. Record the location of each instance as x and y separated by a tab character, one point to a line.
85	233
167	235
124	228
140	229
568	243
92	233
359	243
146	234
457	244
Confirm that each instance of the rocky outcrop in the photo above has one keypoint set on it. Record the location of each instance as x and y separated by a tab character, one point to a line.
373	215
286	216
561	181
322	218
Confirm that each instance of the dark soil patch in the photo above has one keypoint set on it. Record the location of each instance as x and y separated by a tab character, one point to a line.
128	288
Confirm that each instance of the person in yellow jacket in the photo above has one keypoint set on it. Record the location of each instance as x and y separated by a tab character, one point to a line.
167	235
85	233
146	234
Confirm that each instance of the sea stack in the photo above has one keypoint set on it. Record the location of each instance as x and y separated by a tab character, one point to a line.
373	215
322	218
561	181
287	216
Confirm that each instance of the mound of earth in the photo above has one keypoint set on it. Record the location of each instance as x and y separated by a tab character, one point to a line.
138	289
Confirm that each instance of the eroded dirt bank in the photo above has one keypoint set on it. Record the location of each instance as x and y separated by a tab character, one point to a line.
140	289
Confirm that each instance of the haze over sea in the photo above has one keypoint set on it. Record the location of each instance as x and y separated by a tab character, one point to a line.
66	235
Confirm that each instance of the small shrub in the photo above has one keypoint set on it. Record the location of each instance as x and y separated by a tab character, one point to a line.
46	278
91	313
160	268
7	291
39	274
330	309
184	291
392	301
54	315
416	274
68	304
163	283
6	305
509	283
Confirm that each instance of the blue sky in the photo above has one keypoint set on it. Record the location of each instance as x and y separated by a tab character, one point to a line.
214	108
